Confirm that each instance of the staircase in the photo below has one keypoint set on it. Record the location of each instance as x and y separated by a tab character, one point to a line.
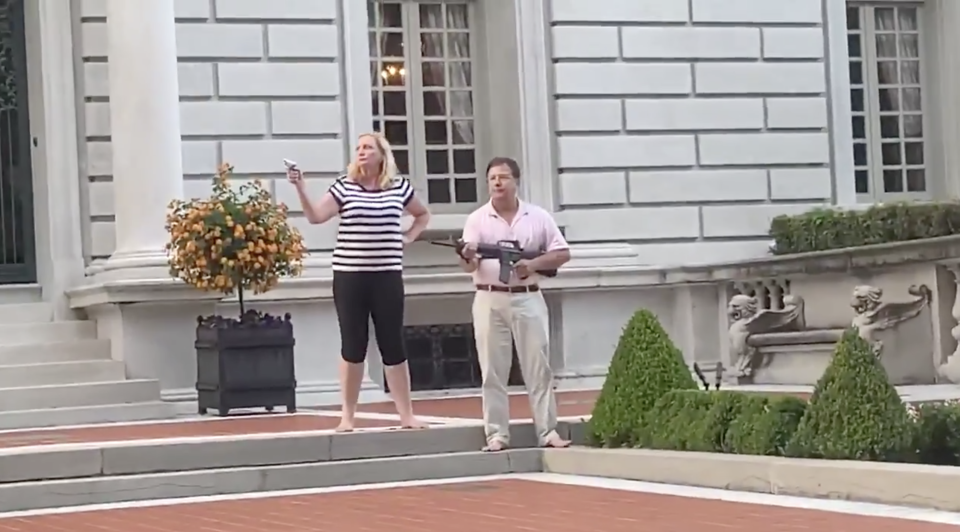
58	373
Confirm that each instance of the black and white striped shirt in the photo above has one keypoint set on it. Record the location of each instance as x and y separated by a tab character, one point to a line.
369	238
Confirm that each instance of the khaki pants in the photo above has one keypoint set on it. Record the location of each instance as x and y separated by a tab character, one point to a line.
496	317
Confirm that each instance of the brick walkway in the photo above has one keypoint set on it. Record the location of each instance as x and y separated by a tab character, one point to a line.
569	404
502	505
240	425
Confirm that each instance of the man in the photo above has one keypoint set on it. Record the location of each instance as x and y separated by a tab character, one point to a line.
515	310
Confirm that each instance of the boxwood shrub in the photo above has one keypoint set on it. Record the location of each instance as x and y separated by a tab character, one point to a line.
721	421
646	364
938	433
855	413
823	229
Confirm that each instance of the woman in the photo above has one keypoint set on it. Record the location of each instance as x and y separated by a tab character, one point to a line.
368	267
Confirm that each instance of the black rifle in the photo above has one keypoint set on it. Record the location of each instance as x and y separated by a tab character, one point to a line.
506	252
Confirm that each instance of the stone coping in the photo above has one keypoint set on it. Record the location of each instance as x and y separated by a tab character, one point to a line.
897	484
317	285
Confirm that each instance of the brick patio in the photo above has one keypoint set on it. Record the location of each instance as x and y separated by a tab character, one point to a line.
502	505
569	404
276	424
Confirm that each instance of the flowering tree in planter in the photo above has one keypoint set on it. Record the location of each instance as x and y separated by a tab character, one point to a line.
234	242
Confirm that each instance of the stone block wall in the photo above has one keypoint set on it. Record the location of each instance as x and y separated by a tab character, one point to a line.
684	126
259	82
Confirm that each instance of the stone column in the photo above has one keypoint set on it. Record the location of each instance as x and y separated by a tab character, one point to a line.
145	132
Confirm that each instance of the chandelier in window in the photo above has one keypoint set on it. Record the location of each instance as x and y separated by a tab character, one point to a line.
392	72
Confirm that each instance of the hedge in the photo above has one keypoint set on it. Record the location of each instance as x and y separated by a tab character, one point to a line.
645	365
823	229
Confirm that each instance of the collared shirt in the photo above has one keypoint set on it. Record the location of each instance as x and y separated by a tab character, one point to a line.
533	227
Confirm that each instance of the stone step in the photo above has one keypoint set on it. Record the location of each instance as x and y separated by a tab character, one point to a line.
48	373
26	313
84	415
60	331
114	489
20	293
71	474
42	352
83	394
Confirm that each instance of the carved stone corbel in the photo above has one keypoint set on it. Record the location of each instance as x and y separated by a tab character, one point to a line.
748	319
874	315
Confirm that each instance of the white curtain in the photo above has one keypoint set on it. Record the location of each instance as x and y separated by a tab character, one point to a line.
458	75
898	63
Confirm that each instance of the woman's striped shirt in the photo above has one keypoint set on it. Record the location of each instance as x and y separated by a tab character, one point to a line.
370	238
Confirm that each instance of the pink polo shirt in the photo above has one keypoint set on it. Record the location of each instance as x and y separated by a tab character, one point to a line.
533	227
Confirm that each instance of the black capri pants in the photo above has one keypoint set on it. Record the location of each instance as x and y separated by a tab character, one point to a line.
358	296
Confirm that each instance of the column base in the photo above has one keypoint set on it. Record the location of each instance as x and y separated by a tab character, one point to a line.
131	265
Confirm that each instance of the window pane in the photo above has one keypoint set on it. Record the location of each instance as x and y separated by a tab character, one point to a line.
913	126
856	73
891	154
893	181
860	154
461	75
458	16
861	181
889	100
390	15
854	46
461	104
907	18
914	152
391	45
431	15
435	131
887	72
887	45
458	45
431	44
911	99
856	100
889	127
434	104
396	132
463	132
433	74
438	191
394	103
853	18
910	72
437	162
859	127
916	181
464	162
403	161
393	75
465	190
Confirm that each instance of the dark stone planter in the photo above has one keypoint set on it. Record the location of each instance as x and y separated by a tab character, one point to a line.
245	363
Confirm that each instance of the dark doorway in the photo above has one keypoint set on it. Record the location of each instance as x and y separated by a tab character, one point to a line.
16	187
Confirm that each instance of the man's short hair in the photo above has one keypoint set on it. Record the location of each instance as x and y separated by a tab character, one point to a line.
509	162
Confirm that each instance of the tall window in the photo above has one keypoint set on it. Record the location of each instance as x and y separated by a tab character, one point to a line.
423	95
887	97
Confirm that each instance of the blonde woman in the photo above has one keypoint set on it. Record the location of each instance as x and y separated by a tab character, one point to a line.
367	267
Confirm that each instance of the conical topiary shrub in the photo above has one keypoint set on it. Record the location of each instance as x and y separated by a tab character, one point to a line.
645	365
854	413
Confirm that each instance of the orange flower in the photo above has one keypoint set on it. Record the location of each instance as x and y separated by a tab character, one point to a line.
236	238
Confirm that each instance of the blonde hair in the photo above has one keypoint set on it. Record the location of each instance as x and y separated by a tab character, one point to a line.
388	165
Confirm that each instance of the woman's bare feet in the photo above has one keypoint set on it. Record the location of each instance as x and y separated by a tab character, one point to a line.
346	425
413	423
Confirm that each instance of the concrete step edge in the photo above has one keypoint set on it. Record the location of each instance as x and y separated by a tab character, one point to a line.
88	491
84	415
71	461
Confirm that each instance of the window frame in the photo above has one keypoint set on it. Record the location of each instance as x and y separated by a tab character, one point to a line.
417	146
872	111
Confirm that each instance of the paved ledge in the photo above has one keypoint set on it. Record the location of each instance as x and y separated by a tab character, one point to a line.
898	484
105	490
117	459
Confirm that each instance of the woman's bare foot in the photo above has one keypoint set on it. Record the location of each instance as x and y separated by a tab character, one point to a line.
494	446
346	425
556	442
413	423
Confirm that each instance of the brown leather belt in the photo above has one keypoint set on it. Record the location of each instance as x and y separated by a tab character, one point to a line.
508	289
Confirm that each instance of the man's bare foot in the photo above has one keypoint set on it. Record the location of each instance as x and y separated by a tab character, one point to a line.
413	423
556	442
346	425
494	446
